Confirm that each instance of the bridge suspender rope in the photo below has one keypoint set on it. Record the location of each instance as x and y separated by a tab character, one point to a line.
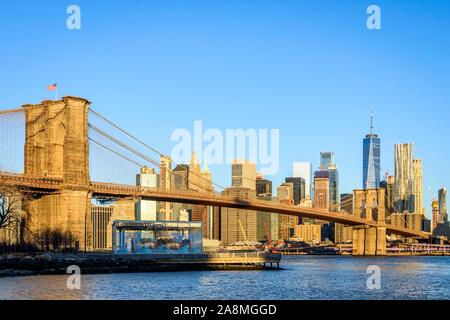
116	153
137	153
147	146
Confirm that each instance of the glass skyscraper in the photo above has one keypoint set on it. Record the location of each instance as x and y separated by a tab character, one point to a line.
326	160
371	159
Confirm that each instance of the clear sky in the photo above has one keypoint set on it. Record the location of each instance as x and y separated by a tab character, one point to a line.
309	68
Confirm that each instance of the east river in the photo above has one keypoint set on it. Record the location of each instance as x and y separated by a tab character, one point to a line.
302	278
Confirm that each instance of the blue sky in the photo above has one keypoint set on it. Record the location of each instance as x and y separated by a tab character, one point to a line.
309	68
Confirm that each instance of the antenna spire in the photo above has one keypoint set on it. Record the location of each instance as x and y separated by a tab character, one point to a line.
371	120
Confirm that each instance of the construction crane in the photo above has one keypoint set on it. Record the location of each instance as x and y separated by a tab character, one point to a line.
242	230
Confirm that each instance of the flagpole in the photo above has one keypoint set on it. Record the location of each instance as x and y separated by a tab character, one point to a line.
56	93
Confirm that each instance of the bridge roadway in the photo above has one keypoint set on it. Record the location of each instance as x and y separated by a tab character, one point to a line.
52	185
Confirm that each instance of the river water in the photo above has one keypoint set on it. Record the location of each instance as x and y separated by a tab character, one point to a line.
302	278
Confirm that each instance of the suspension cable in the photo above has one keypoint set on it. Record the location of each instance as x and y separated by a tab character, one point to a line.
116	153
149	147
155	163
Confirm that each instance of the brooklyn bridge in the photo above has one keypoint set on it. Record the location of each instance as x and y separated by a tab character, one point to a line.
56	172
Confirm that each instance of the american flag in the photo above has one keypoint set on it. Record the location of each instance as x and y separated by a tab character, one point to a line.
52	87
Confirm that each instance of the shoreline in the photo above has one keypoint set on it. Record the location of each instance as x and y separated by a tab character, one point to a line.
57	264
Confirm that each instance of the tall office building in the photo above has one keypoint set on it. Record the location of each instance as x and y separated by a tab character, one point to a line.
443	218
304	170
404	178
200	180
243	174
195	181
165	182
299	189
181	177
321	190
285	191
327	165
326	160
263	187
371	159
335	197
146	209
418	186
238	224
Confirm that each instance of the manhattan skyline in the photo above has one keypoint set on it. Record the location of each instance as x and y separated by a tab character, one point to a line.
314	73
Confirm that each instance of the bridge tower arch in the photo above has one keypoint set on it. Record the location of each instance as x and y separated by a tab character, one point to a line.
370	240
57	146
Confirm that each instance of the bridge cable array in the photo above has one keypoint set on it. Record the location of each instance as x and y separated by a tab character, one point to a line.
149	147
137	153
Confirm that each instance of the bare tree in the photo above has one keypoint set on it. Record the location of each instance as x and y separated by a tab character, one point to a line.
10	207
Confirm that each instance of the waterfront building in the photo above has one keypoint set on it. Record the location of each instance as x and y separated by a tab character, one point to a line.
238	224
404	178
102	218
321	190
409	220
243	174
155	237
298	188
147	209
371	159
342	233
101	226
310	233
304	170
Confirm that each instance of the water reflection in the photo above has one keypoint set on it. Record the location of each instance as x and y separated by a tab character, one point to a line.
302	278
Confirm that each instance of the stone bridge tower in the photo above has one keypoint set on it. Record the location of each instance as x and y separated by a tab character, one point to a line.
56	146
370	240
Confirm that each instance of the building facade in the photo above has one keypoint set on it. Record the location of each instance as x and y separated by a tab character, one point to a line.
298	188
321	190
304	170
238	224
263	187
418	186
310	233
326	160
404	199
335	198
388	186
243	174
443	218
147	210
